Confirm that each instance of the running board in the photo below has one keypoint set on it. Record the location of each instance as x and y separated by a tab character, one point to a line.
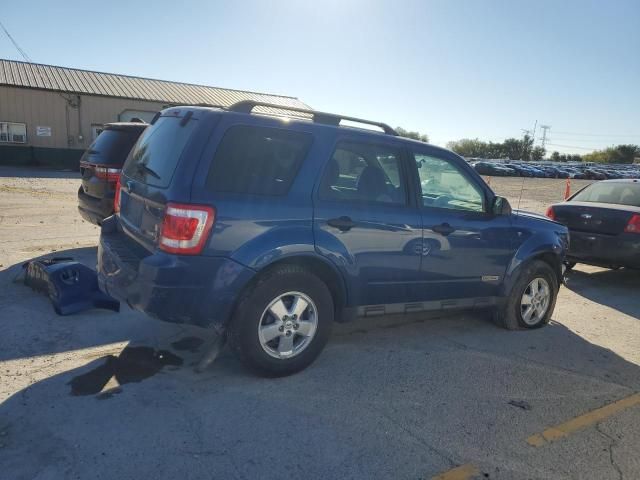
436	305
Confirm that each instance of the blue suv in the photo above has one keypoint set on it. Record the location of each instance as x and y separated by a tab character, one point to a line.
268	224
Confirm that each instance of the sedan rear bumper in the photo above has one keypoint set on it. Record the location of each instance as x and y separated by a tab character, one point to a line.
605	250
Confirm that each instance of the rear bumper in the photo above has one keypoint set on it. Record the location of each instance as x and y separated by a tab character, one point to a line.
93	209
605	250
180	289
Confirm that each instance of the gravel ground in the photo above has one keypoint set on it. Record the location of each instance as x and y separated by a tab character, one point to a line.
106	395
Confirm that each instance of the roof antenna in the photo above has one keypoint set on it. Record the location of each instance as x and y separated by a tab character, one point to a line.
520	197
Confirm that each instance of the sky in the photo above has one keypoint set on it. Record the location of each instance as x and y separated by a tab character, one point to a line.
449	68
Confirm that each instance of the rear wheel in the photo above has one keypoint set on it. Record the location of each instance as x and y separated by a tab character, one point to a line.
532	299
283	323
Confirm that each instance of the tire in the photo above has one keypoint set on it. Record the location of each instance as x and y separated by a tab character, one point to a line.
513	316
254	321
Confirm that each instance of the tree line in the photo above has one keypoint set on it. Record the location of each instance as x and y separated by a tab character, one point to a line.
523	149
618	154
511	148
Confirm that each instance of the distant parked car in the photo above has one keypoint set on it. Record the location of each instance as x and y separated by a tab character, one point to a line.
594	174
493	169
537	172
100	167
604	224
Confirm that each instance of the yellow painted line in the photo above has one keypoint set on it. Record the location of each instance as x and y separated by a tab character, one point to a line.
594	416
463	472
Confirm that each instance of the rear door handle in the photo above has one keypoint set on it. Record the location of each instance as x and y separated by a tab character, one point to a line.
341	223
443	229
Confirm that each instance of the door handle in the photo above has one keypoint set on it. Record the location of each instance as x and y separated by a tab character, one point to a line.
341	223
443	229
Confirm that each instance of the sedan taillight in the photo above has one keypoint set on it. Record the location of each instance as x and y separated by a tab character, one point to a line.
551	213
185	228
634	224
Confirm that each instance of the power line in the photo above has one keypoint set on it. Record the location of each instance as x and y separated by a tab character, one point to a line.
598	141
599	134
15	44
570	146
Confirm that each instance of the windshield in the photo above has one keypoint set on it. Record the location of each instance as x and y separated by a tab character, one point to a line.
616	193
155	157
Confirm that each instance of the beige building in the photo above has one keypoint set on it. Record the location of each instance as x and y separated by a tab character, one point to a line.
49	115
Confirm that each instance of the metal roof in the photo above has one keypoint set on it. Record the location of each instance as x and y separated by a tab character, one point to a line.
72	80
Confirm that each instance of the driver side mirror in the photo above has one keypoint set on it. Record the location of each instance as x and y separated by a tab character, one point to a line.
501	206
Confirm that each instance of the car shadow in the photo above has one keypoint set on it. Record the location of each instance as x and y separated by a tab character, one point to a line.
419	377
617	289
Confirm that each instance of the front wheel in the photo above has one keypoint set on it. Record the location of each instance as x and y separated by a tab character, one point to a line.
283	323
532	298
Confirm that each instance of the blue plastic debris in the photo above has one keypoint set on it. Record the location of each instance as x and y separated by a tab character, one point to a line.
71	286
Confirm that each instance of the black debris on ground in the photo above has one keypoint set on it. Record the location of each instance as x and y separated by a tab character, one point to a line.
134	364
520	404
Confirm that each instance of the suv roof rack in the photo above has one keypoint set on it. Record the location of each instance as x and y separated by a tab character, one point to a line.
247	106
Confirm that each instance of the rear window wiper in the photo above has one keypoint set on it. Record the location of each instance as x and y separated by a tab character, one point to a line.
142	167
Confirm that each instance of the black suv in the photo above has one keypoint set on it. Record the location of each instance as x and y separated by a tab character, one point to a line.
100	167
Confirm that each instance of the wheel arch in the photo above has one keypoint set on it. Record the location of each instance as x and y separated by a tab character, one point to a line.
550	256
319	267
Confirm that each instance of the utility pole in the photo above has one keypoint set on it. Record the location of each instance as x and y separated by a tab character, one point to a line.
524	154
544	133
534	132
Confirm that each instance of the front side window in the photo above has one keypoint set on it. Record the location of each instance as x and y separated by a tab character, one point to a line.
444	186
257	160
359	172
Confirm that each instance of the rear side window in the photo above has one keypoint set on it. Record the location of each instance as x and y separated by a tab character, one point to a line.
257	160
111	147
155	157
359	172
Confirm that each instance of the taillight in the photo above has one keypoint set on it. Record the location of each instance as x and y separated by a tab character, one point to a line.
634	224
551	213
116	197
185	228
108	174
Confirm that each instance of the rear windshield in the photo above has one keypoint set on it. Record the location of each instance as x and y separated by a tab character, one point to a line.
155	157
605	192
257	160
111	147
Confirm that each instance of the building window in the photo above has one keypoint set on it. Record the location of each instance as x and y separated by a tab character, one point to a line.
13	132
96	130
